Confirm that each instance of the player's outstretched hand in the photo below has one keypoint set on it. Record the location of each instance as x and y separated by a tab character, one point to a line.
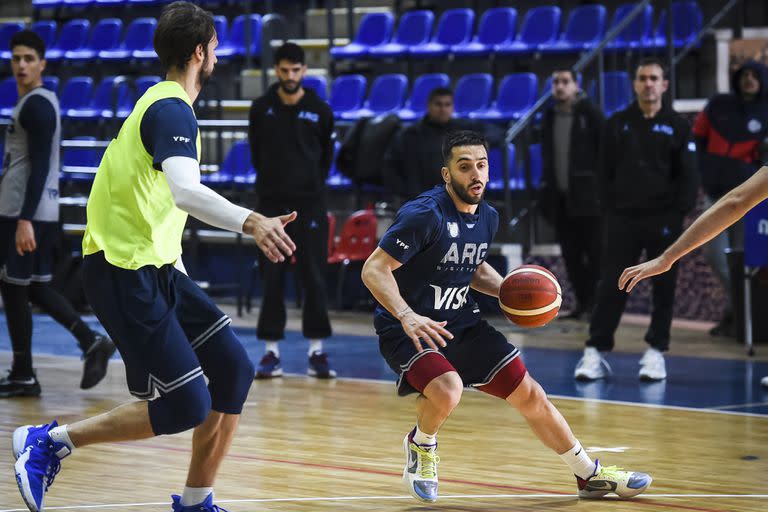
421	327
270	235
633	275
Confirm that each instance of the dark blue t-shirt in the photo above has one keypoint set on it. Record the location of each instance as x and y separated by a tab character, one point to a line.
440	249
169	128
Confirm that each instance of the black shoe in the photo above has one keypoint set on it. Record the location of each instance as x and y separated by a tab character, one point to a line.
725	327
14	385
96	360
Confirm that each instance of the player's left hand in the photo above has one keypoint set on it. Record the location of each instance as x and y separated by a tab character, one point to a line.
25	237
633	275
270	235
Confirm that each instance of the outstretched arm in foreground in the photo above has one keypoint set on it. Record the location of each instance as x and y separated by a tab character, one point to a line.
729	209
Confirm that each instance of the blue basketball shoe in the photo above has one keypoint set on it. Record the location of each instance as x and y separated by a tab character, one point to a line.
206	506
610	479
420	473
38	461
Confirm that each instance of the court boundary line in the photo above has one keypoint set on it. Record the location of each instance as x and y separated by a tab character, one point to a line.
404	497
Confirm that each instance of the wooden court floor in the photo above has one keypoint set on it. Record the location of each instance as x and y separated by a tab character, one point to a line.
305	445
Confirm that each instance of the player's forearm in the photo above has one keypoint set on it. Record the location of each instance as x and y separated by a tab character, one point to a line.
383	286
725	212
486	280
183	175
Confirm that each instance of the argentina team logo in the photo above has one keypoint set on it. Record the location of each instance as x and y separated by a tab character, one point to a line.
453	229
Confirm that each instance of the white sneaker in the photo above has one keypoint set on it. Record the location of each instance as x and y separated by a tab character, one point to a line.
610	479
420	473
592	366
652	366
764	382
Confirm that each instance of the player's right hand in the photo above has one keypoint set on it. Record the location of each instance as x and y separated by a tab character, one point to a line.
421	328
270	235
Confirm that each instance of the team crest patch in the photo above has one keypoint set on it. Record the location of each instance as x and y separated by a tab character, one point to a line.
453	229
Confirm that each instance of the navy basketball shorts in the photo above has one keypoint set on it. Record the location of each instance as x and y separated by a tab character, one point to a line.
35	266
157	318
477	353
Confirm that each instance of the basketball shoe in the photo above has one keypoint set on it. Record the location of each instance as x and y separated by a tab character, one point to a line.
13	385
206	506
95	361
269	366
319	366
38	461
652	366
592	366
607	479
420	473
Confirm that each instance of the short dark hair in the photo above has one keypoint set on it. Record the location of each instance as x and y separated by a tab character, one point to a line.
461	138
30	39
291	52
182	27
652	61
438	92
565	70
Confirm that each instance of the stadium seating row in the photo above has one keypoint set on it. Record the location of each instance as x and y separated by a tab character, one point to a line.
82	4
497	32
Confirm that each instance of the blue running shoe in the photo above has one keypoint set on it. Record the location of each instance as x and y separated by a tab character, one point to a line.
269	366
319	366
38	461
206	506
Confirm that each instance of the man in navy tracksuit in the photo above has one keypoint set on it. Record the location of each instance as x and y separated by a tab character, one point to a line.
729	133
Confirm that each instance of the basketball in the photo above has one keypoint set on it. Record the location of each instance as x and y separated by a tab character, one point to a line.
530	296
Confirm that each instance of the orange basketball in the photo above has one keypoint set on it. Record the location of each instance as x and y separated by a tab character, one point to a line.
530	296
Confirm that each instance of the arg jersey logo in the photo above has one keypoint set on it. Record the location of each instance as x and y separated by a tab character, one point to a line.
449	298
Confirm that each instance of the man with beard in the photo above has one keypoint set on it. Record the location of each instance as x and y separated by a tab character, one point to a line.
648	182
171	336
290	133
431	333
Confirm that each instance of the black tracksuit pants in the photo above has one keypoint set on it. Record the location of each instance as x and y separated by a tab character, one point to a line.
624	239
310	234
579	239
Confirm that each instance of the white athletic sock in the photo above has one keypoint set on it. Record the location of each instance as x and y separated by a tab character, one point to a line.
579	462
315	346
194	495
59	434
272	347
422	439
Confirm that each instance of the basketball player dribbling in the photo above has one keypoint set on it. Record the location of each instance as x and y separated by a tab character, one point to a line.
431	333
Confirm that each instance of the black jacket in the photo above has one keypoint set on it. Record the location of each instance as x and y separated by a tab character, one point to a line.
582	198
729	132
648	166
291	146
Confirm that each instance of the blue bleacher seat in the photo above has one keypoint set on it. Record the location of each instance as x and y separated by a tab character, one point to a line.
347	93
237	164
221	25
473	93
336	180
75	95
687	20
453	28
8	96
541	25
318	84
234	46
534	154
6	33
375	29
387	95
496	169
414	29
46	29
138	37
517	94
145	82
47	4
584	29
79	3
51	83
618	91
105	36
497	26
416	105
637	34
73	37
111	3
79	164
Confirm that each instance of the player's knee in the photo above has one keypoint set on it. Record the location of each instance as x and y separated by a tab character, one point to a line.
531	399
229	370
181	409
445	391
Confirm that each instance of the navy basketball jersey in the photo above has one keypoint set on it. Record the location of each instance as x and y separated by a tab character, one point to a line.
440	249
